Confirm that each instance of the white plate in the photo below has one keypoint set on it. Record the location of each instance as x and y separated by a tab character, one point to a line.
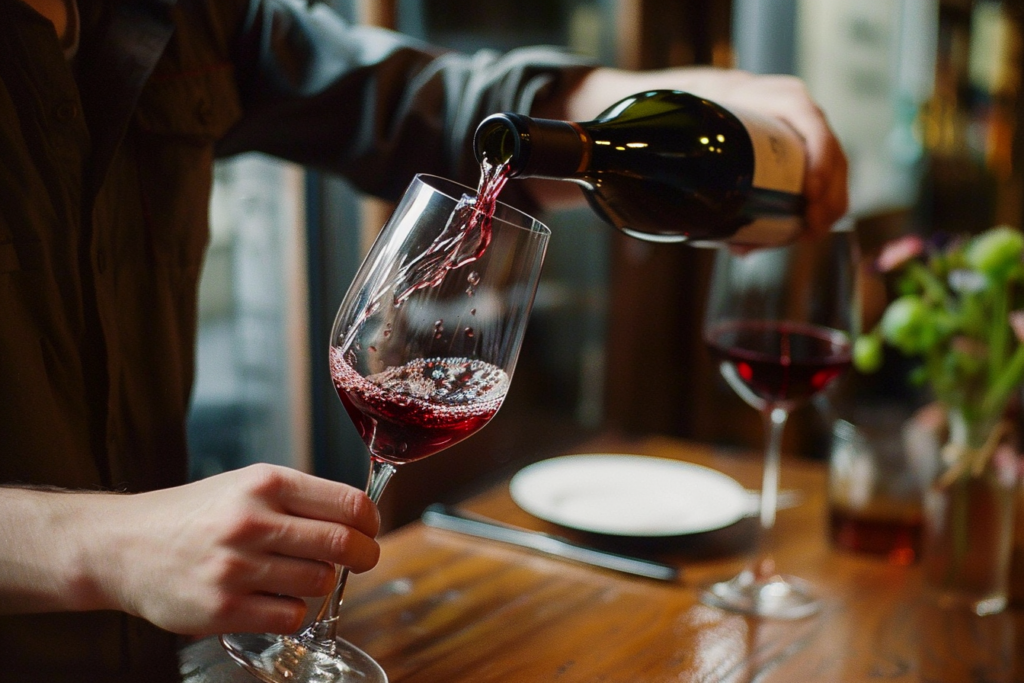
629	495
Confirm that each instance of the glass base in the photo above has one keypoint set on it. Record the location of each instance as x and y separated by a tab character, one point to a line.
778	597
288	659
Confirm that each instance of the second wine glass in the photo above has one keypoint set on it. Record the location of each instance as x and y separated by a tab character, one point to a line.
422	353
780	323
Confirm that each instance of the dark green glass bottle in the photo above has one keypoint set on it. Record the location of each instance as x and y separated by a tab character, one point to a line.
665	166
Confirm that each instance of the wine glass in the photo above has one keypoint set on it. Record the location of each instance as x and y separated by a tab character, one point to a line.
780	323
422	352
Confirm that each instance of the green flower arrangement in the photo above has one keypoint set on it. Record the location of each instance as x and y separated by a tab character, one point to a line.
956	311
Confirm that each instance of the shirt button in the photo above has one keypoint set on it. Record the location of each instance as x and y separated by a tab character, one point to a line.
65	111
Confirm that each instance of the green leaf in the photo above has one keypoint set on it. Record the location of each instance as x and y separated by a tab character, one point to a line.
996	251
867	353
903	323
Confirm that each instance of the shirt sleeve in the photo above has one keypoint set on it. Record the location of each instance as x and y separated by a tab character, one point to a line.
374	105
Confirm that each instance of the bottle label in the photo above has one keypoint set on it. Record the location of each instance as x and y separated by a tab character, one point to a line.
778	152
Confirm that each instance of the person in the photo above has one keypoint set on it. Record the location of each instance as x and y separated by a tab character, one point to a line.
111	115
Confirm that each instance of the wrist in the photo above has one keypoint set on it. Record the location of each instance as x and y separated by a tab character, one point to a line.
91	550
49	546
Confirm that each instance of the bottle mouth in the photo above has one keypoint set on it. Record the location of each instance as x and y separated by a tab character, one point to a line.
499	139
543	148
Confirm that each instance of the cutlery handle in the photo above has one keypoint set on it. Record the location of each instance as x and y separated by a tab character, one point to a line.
441	517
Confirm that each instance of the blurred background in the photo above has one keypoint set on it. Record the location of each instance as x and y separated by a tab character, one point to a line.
924	95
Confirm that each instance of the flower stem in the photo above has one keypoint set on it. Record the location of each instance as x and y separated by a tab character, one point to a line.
932	286
1004	383
998	333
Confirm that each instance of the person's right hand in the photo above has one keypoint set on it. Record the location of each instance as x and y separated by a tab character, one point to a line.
785	98
234	552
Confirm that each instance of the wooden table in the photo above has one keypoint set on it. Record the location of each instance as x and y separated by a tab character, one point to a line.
445	608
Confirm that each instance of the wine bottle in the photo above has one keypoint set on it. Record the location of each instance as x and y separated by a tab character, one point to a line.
665	166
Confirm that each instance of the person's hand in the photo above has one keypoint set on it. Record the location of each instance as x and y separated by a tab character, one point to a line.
235	552
784	97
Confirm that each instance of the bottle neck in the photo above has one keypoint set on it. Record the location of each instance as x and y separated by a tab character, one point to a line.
533	148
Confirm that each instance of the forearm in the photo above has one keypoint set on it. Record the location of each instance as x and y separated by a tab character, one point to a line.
375	105
45	548
602	87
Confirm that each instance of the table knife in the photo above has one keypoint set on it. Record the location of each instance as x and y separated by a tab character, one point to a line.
444	517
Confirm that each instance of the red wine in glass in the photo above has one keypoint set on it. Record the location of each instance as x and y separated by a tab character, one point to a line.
779	322
413	388
878	532
409	412
780	362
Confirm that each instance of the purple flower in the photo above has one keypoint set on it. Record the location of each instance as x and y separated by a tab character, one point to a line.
966	281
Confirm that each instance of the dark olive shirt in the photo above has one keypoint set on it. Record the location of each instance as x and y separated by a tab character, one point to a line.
105	176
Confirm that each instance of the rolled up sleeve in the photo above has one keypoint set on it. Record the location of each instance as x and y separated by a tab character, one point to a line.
374	105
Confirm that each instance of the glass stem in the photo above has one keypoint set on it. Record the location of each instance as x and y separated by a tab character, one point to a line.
324	629
774	423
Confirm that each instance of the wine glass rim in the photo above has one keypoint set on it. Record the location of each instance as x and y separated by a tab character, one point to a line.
438	183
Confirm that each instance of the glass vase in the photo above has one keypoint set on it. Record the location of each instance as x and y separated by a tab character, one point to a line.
969	517
1017	553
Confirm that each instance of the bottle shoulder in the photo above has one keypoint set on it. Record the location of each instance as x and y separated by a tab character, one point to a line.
666	129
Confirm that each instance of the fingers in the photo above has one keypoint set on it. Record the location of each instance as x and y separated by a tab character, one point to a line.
236	551
826	181
323	541
304	495
787	98
304	517
826	189
260	614
254	573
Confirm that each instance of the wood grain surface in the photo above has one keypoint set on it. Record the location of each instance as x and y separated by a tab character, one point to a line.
442	608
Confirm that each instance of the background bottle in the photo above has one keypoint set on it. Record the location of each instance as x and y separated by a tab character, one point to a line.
665	166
